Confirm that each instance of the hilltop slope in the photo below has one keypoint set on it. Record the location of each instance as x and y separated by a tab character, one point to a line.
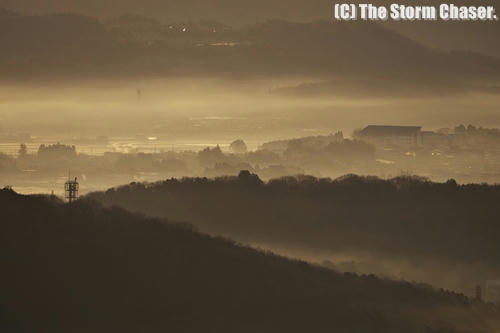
83	268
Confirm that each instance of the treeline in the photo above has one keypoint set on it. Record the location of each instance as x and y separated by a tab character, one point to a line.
443	233
82	268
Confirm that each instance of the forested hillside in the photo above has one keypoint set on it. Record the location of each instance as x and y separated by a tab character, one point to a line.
84	268
444	233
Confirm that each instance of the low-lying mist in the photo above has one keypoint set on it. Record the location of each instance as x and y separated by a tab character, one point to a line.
221	109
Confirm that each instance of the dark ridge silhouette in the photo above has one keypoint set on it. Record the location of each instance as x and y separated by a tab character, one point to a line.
22	33
339	56
37	45
471	36
443	233
82	268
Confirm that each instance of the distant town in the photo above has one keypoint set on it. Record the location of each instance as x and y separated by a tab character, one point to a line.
464	153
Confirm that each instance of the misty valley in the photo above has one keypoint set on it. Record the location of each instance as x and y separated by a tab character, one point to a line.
246	167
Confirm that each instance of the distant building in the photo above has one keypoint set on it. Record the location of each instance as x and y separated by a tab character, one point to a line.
392	135
492	291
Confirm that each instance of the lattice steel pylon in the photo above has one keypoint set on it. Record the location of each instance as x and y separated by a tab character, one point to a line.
71	188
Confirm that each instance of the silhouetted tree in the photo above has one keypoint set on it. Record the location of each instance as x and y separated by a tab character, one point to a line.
238	146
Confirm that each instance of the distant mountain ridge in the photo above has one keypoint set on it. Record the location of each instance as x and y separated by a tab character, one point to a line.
73	44
471	36
360	58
